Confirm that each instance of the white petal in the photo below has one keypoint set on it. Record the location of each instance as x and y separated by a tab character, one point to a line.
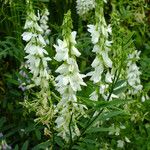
106	59
75	51
94	33
37	62
41	39
94	96
96	74
109	29
28	24
96	48
96	62
27	36
65	80
108	77
73	37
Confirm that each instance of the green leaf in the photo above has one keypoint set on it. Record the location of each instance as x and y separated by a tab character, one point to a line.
25	145
10	133
42	145
30	128
7	127
102	104
98	129
38	134
59	141
43	0
2	121
108	115
119	83
89	141
128	41
120	90
16	147
78	147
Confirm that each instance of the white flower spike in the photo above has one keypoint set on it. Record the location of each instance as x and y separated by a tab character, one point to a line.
68	82
100	38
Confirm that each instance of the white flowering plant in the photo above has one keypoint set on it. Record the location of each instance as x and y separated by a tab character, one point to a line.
84	79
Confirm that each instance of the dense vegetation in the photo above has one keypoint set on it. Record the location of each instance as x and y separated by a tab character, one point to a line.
75	76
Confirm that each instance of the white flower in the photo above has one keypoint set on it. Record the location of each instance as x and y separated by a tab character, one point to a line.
74	50
37	27
133	73
127	140
94	96
103	88
97	62
44	26
36	59
114	130
108	77
96	48
59	121
96	74
106	59
27	36
144	97
72	78
41	40
109	29
94	33
28	24
120	144
35	50
108	44
68	82
73	37
37	63
100	38
61	51
113	96
84	6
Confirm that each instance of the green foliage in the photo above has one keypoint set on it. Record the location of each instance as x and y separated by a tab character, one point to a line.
10	48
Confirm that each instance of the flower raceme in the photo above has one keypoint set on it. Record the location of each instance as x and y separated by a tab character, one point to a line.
36	53
69	75
68	82
63	50
36	36
84	6
133	73
100	38
43	24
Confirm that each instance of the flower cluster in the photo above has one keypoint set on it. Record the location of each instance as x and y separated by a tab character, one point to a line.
133	73
68	83
36	54
84	6
100	38
43	24
37	62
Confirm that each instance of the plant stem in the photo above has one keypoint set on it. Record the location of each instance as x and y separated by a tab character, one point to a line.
70	145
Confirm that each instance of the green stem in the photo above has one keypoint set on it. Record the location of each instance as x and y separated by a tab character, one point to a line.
70	145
